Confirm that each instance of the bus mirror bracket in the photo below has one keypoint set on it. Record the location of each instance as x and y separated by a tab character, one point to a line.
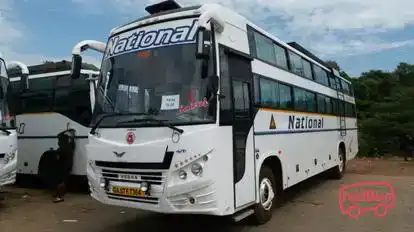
76	66
203	42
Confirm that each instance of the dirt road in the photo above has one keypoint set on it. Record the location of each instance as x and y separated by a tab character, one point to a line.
311	205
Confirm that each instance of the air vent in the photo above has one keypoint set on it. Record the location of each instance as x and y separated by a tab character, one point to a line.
162	6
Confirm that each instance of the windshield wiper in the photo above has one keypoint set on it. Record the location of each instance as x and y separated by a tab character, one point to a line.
160	122
93	129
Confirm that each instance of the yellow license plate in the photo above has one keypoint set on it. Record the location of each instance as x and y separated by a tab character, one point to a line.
128	191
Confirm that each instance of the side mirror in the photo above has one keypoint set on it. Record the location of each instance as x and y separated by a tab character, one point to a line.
24	82
203	42
76	66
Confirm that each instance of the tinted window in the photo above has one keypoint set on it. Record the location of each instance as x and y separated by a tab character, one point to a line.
321	76
296	64
281	59
311	101
350	110
332	81
39	84
338	83
56	94
328	105
341	108
285	96
269	92
321	103
345	86
241	98
15	86
264	48
307	69
63	81
300	99
335	106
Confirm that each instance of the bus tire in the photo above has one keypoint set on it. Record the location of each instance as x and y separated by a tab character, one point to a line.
338	171
267	184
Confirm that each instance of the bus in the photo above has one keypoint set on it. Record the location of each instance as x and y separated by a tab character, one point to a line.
51	104
8	136
200	111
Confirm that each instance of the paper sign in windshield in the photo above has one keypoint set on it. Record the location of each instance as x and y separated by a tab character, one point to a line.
170	102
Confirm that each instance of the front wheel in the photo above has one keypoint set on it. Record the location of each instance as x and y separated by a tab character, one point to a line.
268	194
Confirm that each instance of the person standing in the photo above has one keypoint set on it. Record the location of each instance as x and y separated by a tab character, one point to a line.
64	155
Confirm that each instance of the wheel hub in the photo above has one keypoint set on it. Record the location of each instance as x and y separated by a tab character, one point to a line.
341	159
266	194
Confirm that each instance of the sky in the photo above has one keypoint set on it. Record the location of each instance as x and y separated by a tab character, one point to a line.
359	35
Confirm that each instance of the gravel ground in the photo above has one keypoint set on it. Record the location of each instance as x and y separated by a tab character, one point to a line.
310	205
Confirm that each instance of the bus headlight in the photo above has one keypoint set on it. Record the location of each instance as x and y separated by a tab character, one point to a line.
10	156
6	159
13	154
182	174
196	169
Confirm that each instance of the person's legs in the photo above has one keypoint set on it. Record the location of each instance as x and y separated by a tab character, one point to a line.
60	192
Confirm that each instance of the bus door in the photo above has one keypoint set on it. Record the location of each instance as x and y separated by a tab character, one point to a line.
240	77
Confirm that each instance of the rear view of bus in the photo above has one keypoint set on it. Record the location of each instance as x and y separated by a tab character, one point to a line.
8	133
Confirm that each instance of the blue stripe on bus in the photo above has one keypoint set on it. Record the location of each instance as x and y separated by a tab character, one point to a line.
297	131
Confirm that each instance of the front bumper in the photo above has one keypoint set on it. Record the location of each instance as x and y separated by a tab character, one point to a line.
163	198
8	173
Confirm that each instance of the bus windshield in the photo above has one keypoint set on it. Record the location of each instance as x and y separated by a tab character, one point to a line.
6	119
163	83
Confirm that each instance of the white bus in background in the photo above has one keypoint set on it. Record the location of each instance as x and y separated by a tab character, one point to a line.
8	134
51	104
224	116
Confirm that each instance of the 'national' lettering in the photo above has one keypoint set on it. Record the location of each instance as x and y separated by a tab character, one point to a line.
304	122
139	39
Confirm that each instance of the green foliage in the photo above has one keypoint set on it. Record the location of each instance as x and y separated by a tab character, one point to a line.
385	105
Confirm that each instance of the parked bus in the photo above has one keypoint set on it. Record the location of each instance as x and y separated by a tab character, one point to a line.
51	104
200	111
8	134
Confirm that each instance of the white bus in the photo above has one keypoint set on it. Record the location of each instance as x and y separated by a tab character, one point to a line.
8	134
200	111
50	104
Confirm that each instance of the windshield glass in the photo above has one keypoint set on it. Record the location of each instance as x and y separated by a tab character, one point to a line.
162	82
6	118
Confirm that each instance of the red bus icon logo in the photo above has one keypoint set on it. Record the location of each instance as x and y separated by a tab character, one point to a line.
130	138
359	198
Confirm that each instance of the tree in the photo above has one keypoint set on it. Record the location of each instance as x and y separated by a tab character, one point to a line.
385	110
332	64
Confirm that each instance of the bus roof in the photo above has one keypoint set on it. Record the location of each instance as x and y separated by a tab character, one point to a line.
51	67
231	17
53	74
